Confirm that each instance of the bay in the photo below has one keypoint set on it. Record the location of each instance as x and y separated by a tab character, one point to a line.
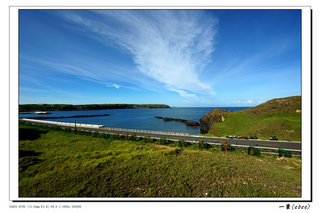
139	118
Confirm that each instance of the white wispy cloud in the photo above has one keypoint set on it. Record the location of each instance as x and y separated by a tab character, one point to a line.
170	46
245	102
182	93
92	73
116	86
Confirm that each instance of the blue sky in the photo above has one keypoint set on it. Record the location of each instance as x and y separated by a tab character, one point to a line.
175	57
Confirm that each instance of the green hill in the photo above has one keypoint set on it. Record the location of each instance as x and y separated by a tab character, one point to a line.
280	117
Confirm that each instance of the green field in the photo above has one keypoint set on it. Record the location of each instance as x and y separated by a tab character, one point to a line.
63	164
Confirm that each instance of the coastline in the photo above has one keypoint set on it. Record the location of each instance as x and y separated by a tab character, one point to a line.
70	107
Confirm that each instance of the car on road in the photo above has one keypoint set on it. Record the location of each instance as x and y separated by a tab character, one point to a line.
273	138
253	137
232	136
246	137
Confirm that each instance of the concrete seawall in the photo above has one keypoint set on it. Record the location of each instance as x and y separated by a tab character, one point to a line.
102	127
62	123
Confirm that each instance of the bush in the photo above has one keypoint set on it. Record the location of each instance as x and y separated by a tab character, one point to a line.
133	137
163	141
284	153
147	139
203	144
253	151
226	147
182	143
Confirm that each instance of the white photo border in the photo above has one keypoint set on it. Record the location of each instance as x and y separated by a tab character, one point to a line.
306	74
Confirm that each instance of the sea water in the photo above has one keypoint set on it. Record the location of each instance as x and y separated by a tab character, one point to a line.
139	118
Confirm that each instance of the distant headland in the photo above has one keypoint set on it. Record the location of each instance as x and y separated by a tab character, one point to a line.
70	107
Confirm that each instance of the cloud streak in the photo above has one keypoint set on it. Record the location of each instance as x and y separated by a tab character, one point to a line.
93	73
169	46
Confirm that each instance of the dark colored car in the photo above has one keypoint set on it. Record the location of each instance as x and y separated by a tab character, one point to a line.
253	137
273	138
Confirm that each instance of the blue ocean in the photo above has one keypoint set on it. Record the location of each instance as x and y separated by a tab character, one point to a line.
139	118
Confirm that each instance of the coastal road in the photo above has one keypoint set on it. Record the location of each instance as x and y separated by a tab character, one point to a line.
266	145
293	145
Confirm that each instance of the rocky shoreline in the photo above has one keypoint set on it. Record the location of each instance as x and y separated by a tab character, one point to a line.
187	122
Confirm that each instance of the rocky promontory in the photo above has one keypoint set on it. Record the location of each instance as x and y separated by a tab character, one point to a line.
187	122
215	116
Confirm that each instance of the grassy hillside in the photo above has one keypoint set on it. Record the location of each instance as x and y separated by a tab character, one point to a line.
286	126
56	107
277	117
60	164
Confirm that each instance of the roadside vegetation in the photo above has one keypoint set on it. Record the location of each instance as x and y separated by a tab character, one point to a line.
63	164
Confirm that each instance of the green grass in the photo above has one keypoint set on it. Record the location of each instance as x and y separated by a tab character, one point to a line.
286	125
61	164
